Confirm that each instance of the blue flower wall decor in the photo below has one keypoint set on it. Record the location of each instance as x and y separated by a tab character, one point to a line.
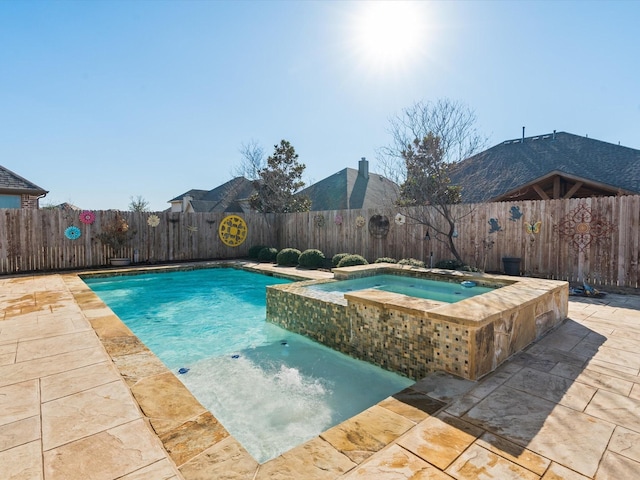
72	233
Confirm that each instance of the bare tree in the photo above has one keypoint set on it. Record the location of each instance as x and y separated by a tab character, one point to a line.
451	121
427	139
253	160
138	204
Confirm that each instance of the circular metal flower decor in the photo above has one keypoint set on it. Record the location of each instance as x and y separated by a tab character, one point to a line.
338	220
87	217
400	219
72	232
153	221
232	230
379	226
360	221
319	220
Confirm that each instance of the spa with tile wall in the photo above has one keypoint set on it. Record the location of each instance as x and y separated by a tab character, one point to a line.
415	337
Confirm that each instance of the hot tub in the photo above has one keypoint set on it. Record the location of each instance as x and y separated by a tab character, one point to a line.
416	336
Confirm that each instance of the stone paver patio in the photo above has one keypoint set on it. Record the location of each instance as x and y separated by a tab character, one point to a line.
81	397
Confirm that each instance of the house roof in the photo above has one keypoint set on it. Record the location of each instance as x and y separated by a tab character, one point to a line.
11	182
68	207
224	198
514	165
350	188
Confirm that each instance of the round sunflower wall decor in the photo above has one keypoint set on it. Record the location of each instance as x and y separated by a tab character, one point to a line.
232	230
319	220
153	221
400	219
72	232
360	221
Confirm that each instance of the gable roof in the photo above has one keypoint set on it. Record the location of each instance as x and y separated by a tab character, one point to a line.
227	197
351	189
514	165
11	182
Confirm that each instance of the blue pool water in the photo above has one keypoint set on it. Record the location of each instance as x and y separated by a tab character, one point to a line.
413	287
271	389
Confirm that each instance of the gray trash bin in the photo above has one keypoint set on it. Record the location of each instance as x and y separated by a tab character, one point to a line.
511	266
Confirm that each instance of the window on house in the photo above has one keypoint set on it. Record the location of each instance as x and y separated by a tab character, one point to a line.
9	201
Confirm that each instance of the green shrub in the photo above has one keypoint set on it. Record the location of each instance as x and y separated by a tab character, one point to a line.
311	258
351	260
386	260
414	262
335	260
288	257
469	268
255	250
267	254
449	264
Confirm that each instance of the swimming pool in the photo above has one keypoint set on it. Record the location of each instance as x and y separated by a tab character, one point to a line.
413	287
270	388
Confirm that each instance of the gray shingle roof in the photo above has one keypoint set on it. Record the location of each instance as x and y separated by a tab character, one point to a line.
348	189
514	163
225	198
11	182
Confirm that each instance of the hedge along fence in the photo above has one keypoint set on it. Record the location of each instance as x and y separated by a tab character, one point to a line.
34	240
594	239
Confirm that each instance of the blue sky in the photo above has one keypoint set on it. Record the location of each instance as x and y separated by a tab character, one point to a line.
101	101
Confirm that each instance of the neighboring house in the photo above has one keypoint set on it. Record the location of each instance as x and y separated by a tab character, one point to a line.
551	166
348	188
231	197
352	189
18	192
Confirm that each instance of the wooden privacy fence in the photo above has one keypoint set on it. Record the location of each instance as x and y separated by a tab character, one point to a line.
35	240
594	239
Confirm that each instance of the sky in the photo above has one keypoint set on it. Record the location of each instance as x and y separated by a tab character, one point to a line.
103	101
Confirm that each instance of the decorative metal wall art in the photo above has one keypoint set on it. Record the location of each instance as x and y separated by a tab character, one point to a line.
533	227
87	217
338	220
515	214
153	221
72	232
400	219
582	227
494	225
232	230
379	226
318	220
360	221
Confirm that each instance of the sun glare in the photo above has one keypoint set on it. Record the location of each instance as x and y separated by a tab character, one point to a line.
388	35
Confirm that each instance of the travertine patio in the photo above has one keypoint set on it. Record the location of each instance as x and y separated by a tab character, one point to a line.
81	397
